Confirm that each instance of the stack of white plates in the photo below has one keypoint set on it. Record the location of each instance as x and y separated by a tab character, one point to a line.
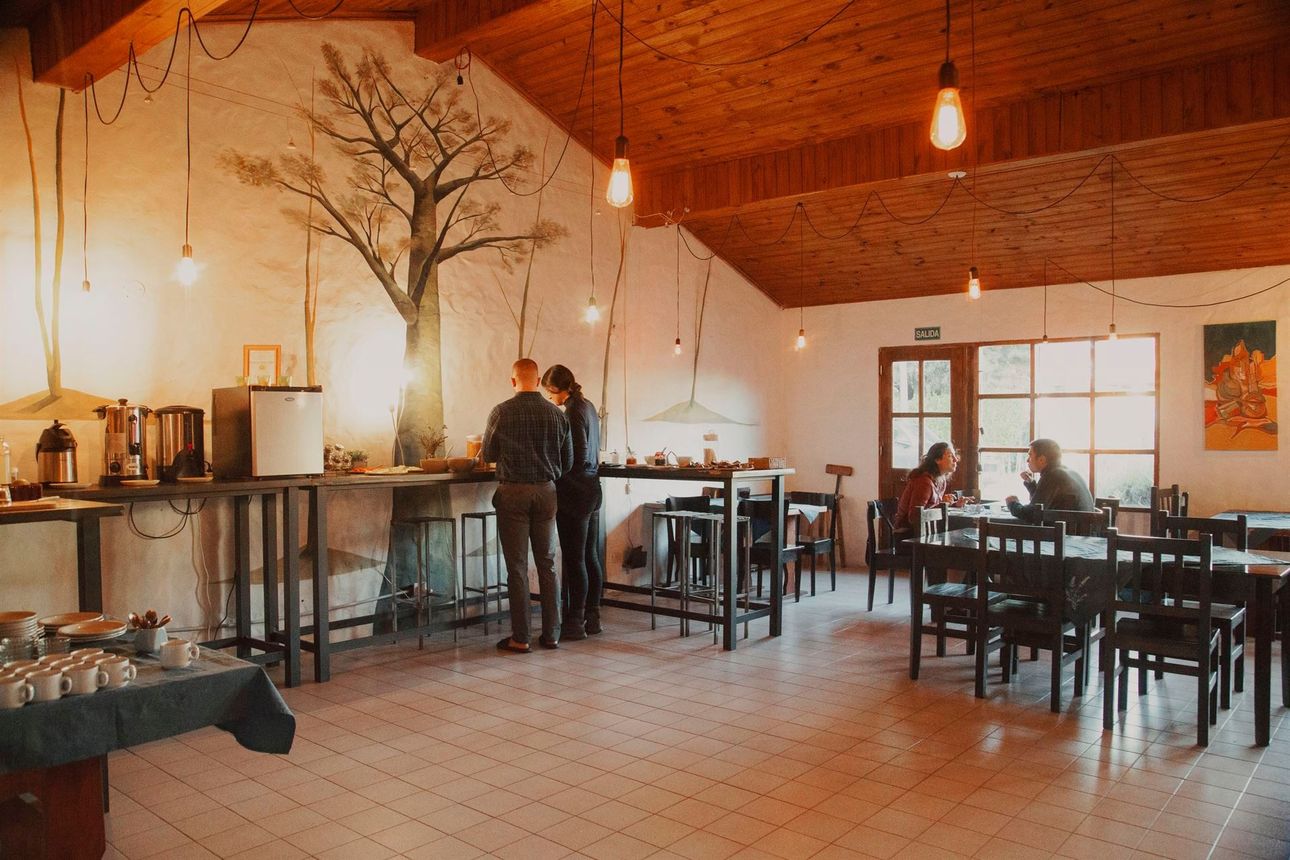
18	625
89	631
51	623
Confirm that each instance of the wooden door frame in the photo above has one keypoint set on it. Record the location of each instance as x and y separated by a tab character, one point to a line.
962	403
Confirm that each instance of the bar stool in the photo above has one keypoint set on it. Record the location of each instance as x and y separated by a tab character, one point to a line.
679	522
423	596
485	588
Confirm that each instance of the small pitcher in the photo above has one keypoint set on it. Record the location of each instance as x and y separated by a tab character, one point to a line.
149	640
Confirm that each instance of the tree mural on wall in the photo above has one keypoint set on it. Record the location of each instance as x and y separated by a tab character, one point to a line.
406	205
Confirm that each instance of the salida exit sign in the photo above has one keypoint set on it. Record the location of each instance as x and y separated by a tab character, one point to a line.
931	332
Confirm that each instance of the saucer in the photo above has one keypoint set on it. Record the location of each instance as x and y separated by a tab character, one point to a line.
140	482
204	479
68	485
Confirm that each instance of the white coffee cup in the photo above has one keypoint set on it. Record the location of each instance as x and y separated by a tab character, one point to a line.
63	664
684	461
120	671
23	667
84	654
49	685
178	653
51	659
15	691
85	678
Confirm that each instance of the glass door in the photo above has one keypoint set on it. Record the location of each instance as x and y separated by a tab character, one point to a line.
924	398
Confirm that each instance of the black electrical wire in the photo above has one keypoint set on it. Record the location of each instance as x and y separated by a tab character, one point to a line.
1184	306
308	17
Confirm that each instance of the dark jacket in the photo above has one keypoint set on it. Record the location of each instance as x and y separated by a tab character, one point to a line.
584	429
1060	489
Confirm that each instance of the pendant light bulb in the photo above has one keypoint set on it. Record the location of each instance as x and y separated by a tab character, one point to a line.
949	126
801	339
186	270
85	285
676	347
620	180
592	314
1111	333
974	283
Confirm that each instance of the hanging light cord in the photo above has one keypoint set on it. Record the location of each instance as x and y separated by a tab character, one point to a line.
1045	298
188	132
591	182
622	27
801	269
85	195
1113	244
678	281
947	31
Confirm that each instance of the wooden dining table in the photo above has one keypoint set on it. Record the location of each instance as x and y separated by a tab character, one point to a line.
1255	578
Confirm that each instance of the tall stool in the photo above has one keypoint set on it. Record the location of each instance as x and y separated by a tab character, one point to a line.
423	596
687	591
485	588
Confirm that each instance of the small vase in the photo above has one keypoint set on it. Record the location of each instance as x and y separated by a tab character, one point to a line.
147	641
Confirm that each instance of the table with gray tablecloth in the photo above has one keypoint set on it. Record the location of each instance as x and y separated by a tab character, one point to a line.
215	690
1260	526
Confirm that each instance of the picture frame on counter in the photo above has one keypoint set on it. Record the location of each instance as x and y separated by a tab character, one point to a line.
261	363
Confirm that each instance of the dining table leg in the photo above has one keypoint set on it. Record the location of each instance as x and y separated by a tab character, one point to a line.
242	573
729	570
318	542
1262	608
291	582
915	610
777	571
89	565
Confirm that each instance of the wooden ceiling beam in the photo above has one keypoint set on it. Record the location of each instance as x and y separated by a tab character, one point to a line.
73	39
1236	90
445	27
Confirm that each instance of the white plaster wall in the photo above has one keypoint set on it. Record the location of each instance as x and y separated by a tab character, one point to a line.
138	334
840	370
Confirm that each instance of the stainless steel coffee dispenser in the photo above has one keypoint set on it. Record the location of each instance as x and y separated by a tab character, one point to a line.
125	437
181	443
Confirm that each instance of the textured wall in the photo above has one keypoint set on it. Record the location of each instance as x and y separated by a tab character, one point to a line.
140	335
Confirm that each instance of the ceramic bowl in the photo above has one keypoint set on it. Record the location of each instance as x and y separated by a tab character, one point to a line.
461	465
434	465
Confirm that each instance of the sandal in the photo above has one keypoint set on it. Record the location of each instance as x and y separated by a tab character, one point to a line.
508	645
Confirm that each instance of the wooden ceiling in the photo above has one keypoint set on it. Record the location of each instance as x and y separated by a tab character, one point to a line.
739	110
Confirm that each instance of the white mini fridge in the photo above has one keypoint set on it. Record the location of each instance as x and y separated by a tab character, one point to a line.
263	431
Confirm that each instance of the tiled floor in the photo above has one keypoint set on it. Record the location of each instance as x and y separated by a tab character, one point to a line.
640	744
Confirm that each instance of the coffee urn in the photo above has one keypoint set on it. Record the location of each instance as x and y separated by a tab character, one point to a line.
56	455
125	437
181	443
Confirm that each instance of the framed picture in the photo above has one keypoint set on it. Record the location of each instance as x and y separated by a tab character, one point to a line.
1240	392
261	363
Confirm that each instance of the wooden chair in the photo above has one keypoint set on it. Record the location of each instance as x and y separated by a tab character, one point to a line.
1083	523
1167	636
1023	592
882	551
816	545
951	603
1171	499
698	534
840	472
761	555
1228	612
1111	504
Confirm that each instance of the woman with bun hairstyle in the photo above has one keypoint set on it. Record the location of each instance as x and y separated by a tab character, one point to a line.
578	502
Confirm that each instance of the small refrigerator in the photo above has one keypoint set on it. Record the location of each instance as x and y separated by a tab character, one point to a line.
264	431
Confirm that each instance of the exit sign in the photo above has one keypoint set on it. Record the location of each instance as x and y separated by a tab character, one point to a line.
931	332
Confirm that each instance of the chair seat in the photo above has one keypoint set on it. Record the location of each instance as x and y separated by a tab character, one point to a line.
1220	613
808	541
1161	636
957	591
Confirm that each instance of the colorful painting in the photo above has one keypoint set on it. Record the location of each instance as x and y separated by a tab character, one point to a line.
1241	386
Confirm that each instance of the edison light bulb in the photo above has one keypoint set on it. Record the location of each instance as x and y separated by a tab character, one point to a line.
676	347
592	313
186	270
974	283
949	127
620	180
1111	335
801	339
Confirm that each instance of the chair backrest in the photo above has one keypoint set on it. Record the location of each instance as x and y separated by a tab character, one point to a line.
1111	504
1232	532
696	504
1085	523
1171	499
719	492
841	472
881	529
934	521
1156	574
828	501
1029	563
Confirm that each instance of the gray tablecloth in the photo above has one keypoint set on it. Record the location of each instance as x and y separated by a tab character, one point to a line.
217	690
1260	526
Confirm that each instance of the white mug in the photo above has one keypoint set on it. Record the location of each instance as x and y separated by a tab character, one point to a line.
23	667
684	461
178	653
15	692
120	671
85	654
85	678
49	685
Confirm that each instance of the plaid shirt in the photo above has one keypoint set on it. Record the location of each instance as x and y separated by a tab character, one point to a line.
529	440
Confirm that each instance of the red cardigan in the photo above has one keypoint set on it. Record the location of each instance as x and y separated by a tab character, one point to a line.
921	491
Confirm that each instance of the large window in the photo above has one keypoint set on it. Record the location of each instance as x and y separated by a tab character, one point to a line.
1096	397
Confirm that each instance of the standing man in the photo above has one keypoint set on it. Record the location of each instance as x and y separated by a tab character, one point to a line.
1057	487
528	438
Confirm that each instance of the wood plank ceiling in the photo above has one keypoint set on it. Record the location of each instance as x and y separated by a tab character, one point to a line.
738	110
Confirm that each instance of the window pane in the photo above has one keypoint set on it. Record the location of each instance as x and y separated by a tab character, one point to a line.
999	475
1004	369
1005	423
1127	477
904	387
1064	419
936	386
1063	366
935	430
1127	364
904	443
1126	422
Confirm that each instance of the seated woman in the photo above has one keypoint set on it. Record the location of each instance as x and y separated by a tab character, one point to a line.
925	486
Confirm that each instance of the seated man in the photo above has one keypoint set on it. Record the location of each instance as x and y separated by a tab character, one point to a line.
1058	487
